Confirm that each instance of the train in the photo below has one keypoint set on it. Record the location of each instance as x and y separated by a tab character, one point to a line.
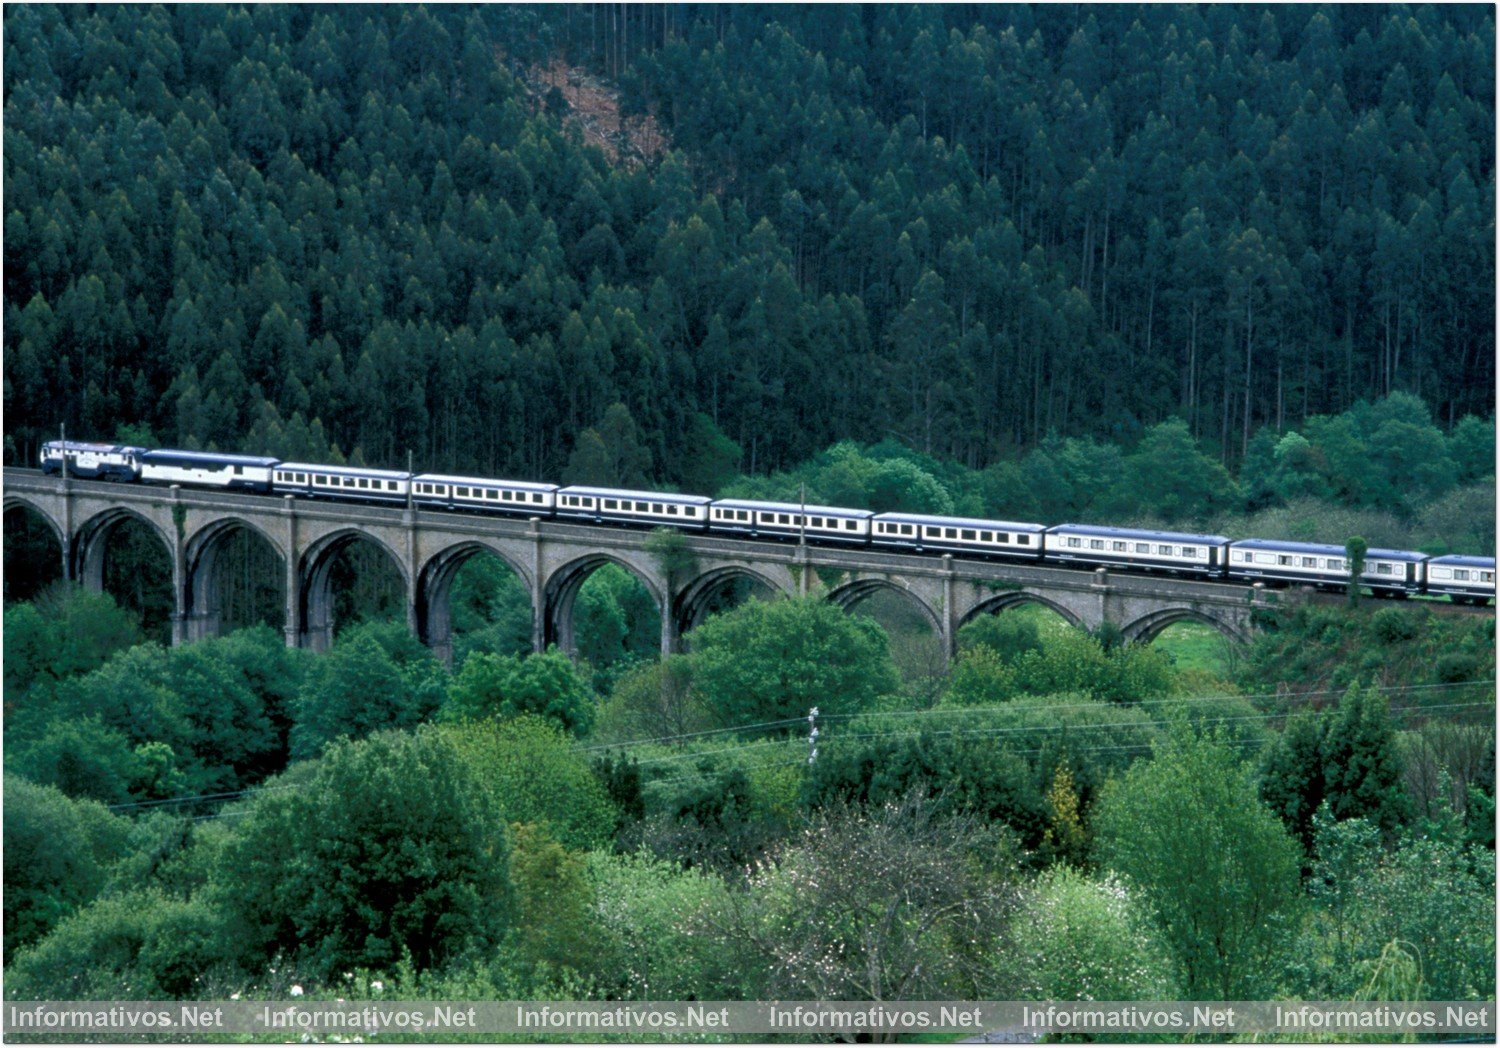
1274	562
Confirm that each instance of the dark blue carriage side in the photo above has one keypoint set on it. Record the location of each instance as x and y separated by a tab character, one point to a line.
1139	549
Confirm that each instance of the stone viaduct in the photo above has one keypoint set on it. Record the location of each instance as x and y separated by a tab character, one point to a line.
553	559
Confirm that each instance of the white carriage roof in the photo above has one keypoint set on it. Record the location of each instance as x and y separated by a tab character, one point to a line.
622	493
793	507
443	478
209	456
1099	530
960	522
346	471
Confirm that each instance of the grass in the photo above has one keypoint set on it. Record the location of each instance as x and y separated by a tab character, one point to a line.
1195	646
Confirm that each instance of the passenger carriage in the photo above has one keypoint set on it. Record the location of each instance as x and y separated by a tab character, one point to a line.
631	507
1137	548
208	469
494	496
340	482
967	535
790	520
1466	580
92	461
1389	571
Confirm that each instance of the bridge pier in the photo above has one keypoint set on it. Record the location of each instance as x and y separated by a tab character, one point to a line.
291	630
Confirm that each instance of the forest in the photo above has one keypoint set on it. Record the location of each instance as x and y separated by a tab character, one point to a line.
295	231
1220	268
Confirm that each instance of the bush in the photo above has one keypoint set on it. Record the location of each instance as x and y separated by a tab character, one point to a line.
547	685
58	853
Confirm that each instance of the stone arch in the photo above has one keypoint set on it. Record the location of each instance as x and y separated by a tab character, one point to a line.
202	604
690	607
86	557
1149	626
315	596
561	590
852	593
25	505
1003	601
33	549
434	609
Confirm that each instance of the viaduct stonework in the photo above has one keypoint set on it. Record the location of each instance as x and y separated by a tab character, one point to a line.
553	560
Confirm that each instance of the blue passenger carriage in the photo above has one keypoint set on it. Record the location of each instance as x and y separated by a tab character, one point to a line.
1139	548
1390	571
1464	579
791	520
632	507
341	482
495	496
988	538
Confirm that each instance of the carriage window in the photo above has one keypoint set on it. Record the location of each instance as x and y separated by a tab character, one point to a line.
1486	576
967	535
611	504
1461	574
349	482
1096	543
1074	543
672	511
1024	540
1284	560
492	495
784	518
907	529
1309	562
987	536
390	485
1143	547
950	533
1118	546
1382	569
1335	564
1265	558
301	478
1189	551
239	471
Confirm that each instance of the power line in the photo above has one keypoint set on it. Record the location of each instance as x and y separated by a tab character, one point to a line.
1116	726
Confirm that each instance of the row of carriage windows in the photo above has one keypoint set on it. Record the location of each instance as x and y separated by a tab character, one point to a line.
1120	546
960	534
1463	575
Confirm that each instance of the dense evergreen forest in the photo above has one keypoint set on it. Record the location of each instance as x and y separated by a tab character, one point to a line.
318	231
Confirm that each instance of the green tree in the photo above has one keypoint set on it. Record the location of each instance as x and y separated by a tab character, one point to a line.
775	660
1354	553
369	681
1215	865
391	846
533	772
1085	939
58	854
547	685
